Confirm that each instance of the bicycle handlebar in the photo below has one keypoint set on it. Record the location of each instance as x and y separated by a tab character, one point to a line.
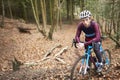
74	42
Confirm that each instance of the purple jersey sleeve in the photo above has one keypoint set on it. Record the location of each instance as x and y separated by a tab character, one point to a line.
78	33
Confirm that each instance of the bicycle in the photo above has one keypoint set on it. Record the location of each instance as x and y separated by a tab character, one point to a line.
80	68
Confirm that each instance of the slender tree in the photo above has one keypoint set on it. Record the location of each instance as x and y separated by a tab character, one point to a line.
36	19
3	14
24	10
10	9
59	6
36	9
68	10
53	10
43	8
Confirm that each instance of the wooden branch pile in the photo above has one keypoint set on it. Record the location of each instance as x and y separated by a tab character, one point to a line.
49	55
57	55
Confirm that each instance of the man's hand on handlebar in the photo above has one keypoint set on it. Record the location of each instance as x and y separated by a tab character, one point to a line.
80	45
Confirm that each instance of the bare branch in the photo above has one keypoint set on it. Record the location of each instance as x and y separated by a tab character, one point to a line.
50	51
63	50
60	60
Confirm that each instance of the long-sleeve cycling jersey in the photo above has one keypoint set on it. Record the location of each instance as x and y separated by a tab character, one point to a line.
92	33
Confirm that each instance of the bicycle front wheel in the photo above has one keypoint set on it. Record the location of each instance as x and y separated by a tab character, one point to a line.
78	71
106	58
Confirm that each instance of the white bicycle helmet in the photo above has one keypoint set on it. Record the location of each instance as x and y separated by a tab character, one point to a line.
85	14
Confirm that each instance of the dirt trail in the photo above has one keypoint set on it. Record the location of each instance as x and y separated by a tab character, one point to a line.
28	48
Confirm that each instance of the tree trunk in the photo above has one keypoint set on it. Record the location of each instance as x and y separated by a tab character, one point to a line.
3	14
61	14
106	26
58	13
43	15
35	15
68	10
118	29
59	19
102	29
71	11
45	11
113	13
110	27
73	8
52	26
36	19
24	10
10	10
53	18
36	9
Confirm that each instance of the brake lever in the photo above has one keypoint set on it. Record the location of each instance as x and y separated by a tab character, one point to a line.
74	43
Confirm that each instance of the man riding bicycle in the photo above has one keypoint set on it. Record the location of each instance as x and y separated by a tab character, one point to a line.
92	34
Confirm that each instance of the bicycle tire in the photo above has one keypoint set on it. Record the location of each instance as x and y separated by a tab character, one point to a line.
106	55
80	76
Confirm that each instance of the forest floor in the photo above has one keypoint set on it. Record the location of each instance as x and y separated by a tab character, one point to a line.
30	49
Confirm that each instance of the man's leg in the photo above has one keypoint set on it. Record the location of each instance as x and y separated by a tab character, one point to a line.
98	55
97	51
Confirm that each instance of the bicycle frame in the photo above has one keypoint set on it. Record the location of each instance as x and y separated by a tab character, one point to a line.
88	56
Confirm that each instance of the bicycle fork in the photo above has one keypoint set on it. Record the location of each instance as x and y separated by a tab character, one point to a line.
84	65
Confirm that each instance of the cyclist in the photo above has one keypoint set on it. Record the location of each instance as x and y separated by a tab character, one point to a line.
92	34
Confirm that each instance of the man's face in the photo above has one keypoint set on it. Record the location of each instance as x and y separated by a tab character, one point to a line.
86	22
